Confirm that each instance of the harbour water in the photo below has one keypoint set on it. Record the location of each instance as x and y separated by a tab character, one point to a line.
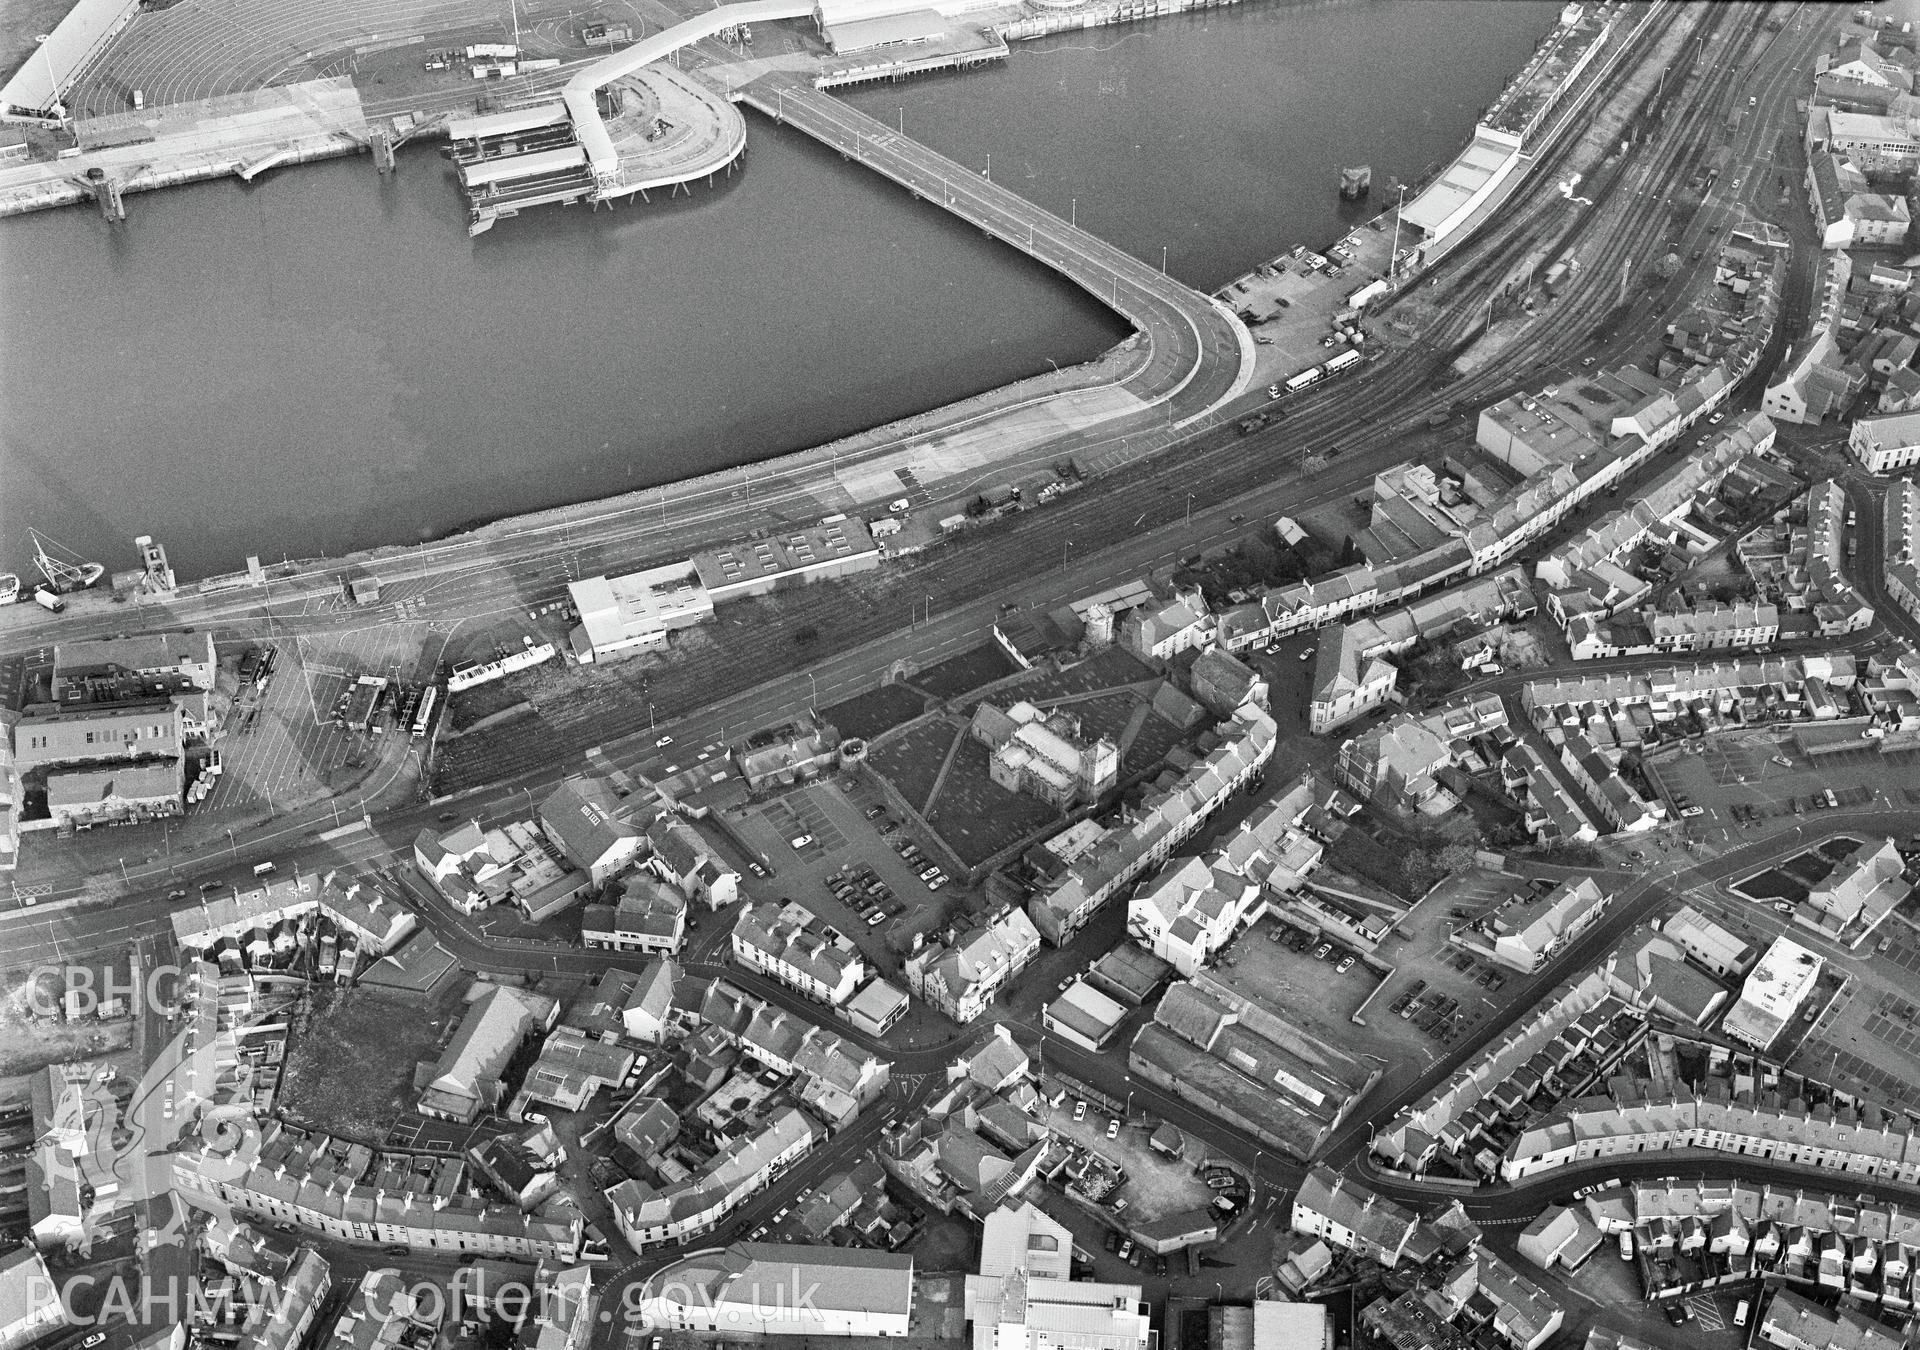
324	361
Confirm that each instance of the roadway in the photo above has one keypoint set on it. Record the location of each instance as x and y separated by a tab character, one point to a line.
1202	355
462	577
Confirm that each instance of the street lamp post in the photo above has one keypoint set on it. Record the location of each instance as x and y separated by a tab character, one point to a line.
1073	212
232	847
1189	510
813	692
1163	260
1063	554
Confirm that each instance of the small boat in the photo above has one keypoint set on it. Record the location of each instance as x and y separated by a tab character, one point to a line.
9	587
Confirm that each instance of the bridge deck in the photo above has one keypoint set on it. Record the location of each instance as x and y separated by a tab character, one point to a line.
1202	353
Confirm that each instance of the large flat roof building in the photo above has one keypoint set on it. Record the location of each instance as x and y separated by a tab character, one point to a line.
1025	1297
772	1288
1773	993
837	546
636	612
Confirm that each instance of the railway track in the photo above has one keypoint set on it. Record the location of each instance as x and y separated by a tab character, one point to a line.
1625	222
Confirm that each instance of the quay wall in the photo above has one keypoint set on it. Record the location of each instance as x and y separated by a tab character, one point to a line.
1100	15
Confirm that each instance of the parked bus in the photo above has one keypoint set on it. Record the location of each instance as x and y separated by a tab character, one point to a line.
1345	361
1304	379
424	718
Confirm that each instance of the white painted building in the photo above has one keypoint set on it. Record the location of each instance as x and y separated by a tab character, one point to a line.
1886	444
781	1289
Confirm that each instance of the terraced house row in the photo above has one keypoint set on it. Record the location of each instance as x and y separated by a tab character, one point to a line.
1636	1119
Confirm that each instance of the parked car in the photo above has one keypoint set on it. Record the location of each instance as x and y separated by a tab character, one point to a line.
1346	964
1079	1110
800	841
1321	952
1113	1128
1113	1241
1126	1249
757	869
1783	907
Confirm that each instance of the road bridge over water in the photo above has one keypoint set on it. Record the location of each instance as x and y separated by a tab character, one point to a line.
1201	354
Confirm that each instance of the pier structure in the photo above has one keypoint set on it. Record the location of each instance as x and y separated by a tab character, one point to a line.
1201	354
666	130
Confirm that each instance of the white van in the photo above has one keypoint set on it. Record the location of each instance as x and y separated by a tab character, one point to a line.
264	869
1626	1244
1740	1314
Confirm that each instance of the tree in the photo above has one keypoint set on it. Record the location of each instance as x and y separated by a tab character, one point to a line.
978	507
806	634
